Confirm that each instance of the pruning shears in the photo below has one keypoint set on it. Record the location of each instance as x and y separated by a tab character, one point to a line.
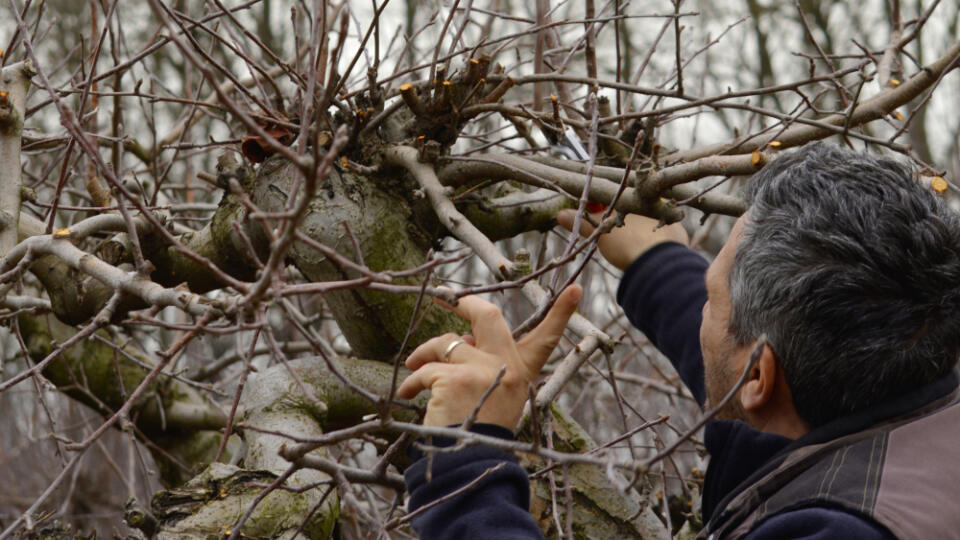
572	148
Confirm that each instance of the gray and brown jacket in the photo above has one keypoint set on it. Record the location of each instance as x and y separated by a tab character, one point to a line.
900	471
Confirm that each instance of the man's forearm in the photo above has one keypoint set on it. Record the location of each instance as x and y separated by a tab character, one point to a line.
662	293
475	493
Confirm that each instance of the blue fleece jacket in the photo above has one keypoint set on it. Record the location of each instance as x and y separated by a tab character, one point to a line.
662	294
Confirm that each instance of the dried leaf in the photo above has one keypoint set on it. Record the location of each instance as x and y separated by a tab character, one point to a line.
254	147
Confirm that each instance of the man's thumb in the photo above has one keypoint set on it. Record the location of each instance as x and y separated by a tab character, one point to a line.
539	343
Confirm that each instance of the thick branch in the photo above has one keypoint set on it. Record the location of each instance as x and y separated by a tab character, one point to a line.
383	237
294	401
508	215
100	373
224	243
668	181
59	245
14	82
511	167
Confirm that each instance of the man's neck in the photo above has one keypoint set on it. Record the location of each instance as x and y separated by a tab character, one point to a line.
790	426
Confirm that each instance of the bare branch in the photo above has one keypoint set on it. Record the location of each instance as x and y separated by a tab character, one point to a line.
451	218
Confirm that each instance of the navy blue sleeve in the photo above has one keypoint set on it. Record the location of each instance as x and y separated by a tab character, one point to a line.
818	524
496	507
663	294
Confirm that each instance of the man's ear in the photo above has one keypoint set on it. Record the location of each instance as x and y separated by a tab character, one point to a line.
758	390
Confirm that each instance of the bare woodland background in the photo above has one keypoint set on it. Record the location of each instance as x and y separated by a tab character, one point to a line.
160	288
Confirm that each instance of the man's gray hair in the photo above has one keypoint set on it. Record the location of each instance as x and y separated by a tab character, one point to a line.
852	269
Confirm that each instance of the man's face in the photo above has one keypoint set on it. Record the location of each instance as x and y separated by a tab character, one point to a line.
723	360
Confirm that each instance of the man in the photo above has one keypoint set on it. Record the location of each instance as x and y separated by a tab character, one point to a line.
846	423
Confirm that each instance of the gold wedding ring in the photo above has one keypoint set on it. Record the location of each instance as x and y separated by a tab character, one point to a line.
450	348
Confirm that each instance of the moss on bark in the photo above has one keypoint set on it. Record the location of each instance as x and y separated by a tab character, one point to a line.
374	322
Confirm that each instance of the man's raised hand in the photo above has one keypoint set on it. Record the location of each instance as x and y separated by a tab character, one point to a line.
458	381
623	245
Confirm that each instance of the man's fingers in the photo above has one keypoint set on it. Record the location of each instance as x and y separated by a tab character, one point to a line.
565	219
536	346
489	327
420	380
434	348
